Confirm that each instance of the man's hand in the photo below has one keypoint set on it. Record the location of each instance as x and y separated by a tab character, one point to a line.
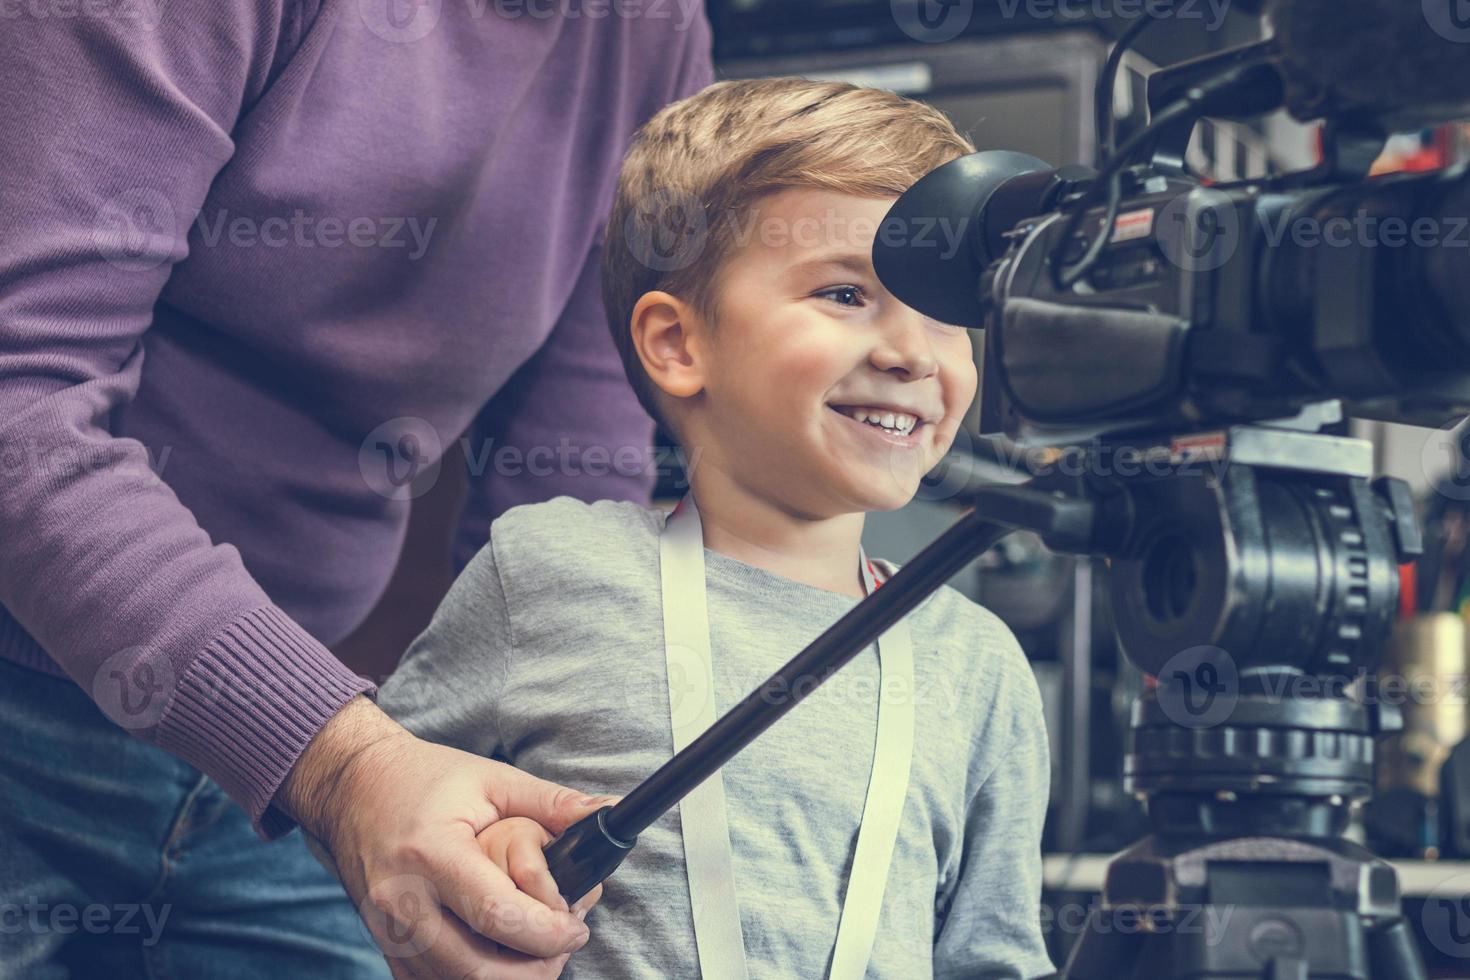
400	817
515	845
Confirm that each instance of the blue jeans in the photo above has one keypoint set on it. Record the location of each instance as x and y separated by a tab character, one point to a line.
118	860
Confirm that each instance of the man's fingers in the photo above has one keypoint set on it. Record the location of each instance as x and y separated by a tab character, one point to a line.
400	970
519	794
459	952
489	902
585	903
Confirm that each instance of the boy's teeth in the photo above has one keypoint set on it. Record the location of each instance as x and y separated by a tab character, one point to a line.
894	422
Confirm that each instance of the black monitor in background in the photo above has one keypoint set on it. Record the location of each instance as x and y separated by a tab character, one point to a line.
768	28
746	28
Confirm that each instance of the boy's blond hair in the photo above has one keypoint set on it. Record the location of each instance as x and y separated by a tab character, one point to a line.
699	167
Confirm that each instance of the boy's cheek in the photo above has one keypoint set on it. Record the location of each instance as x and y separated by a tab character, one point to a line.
967	374
947	432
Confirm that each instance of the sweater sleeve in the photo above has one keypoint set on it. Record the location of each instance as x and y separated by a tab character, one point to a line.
989	914
116	118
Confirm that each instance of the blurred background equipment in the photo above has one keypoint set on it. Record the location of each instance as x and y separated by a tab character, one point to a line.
1424	673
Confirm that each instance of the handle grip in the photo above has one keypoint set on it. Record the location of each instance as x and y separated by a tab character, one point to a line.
585	854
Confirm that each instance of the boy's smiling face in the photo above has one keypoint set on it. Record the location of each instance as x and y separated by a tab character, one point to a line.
806	338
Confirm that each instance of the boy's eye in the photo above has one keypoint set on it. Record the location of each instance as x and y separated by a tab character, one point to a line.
844	295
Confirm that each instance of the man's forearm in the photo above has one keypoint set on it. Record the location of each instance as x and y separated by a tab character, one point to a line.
330	761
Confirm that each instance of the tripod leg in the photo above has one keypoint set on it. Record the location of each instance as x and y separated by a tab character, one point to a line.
1393	955
1291	968
1102	953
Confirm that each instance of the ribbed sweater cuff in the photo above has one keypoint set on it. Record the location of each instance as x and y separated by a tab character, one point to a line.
247	706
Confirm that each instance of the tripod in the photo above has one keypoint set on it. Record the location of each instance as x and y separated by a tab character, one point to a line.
1254	881
1253	572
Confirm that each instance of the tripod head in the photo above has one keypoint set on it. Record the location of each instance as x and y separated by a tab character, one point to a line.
1253	572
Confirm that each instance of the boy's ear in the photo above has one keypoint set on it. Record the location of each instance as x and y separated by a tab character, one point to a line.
666	338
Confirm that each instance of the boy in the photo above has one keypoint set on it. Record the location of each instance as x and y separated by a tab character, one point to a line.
739	285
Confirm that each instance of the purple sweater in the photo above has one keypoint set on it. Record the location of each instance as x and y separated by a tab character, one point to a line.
240	243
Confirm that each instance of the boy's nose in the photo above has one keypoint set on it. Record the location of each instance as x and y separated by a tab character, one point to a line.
906	346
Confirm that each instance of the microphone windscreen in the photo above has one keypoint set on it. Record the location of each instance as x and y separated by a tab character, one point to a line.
1405	59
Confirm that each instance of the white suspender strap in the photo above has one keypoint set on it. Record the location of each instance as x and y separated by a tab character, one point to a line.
887	787
707	853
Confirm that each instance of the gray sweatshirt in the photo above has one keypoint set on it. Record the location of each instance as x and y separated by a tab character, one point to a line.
548	653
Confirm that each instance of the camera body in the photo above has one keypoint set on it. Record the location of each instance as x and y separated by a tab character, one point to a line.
1221	305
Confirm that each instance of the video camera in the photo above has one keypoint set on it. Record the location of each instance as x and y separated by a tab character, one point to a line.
1204	334
1200	304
